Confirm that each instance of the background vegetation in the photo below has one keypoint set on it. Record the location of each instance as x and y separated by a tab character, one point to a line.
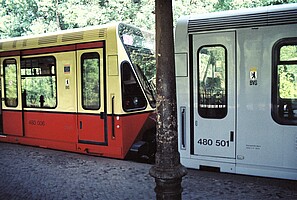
27	17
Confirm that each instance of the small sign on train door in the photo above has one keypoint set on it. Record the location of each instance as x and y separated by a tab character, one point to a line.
66	68
253	76
67	83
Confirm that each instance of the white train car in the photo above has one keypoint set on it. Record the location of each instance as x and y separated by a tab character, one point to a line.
236	74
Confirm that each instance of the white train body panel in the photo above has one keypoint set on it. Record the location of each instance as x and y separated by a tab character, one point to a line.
232	112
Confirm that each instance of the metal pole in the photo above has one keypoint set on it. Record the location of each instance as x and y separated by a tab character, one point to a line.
167	171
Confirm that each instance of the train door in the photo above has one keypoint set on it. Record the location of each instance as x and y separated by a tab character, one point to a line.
91	97
214	95
1	119
10	108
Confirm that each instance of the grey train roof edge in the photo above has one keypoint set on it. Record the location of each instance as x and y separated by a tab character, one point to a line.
244	18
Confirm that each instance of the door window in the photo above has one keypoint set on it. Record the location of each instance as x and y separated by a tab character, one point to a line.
212	84
285	81
90	65
10	83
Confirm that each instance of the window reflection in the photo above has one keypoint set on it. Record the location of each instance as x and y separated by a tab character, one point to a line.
39	82
90	81
212	82
10	83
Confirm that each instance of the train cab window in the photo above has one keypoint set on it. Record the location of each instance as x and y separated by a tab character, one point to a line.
284	85
90	65
10	83
39	82
212	84
132	95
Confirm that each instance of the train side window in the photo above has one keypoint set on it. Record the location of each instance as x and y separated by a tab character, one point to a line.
39	82
212	84
90	65
132	95
284	81
10	83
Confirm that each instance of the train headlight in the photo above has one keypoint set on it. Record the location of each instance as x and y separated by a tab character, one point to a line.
135	101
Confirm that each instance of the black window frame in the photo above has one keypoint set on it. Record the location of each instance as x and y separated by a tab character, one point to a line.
278	103
48	73
90	55
16	85
213	113
138	94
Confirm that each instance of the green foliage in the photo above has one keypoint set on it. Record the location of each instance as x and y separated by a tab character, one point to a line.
91	83
39	82
287	74
224	5
10	81
234	4
36	87
212	68
27	17
288	52
16	17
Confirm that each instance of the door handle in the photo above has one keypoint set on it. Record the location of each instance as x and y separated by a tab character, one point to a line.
102	115
112	118
183	127
231	136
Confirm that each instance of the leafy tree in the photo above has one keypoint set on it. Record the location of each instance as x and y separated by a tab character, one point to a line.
224	5
234	4
287	74
10	83
27	17
47	17
17	16
91	83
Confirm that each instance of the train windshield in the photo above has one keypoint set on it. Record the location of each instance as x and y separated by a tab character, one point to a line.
139	46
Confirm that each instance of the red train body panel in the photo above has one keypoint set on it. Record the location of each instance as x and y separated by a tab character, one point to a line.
12	123
64	131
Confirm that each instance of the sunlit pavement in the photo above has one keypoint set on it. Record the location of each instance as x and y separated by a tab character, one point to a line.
36	173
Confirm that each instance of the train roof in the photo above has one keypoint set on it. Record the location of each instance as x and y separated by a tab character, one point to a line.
63	37
243	18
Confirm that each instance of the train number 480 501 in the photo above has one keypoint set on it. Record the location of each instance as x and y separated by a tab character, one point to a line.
211	142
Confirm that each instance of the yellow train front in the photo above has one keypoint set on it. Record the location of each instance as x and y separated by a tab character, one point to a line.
84	90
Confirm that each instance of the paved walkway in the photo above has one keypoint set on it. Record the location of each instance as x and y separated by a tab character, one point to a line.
35	173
